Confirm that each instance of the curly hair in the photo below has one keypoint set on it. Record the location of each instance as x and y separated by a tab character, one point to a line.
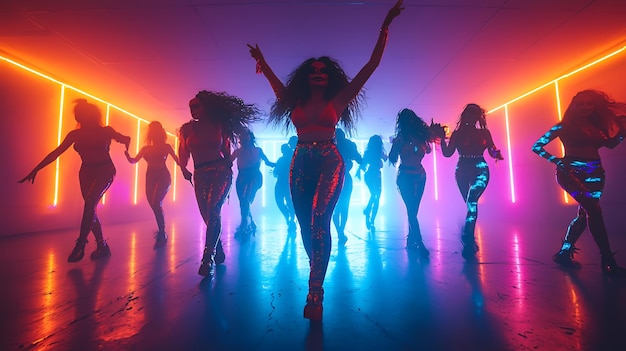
410	126
472	114
606	110
374	149
231	112
298	91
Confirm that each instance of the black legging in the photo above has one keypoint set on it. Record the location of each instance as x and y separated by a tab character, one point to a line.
94	179
585	183
411	184
472	177
316	178
158	181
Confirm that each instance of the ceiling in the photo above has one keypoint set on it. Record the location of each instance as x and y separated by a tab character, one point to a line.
151	56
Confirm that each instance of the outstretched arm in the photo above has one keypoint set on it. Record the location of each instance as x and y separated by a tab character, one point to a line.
263	67
136	158
266	160
539	145
65	144
348	93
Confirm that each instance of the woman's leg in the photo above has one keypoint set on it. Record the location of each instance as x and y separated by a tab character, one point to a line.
411	188
472	177
94	182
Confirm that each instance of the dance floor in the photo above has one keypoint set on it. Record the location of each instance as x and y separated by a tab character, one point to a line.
378	295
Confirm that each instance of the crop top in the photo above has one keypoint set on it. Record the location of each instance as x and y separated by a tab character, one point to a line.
326	121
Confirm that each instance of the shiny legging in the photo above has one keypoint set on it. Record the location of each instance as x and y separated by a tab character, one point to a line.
585	183
340	216
212	185
95	179
411	184
316	178
373	180
249	181
472	177
158	181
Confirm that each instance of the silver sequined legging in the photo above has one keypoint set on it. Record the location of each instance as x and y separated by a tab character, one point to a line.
472	177
316	178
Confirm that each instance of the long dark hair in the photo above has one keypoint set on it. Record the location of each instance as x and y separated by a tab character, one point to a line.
298	91
231	112
411	127
604	115
472	113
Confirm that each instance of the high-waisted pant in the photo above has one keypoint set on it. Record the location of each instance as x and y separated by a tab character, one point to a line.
411	184
316	178
472	177
212	184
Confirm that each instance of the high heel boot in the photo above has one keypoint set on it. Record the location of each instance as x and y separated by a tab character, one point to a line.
313	309
610	267
206	266
78	252
470	248
565	256
102	250
417	246
160	239
220	256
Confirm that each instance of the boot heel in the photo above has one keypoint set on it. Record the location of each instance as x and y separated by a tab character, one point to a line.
313	309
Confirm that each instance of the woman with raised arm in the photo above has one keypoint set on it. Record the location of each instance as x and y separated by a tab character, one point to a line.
249	179
591	121
317	96
158	177
374	158
471	138
92	141
410	144
218	119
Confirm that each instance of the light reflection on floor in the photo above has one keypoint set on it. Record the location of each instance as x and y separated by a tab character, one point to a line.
378	295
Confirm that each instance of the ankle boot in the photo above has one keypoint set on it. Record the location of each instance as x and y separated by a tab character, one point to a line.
206	266
470	248
565	256
418	246
220	256
160	239
78	252
313	309
610	267
102	250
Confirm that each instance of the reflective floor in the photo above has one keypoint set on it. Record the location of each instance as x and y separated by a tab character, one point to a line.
378	295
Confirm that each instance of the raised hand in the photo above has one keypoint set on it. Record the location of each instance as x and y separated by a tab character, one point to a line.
393	13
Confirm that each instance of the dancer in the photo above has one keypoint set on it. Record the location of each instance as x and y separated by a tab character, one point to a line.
92	141
374	157
158	178
349	152
217	121
317	96
470	137
411	142
249	179
282	194
592	120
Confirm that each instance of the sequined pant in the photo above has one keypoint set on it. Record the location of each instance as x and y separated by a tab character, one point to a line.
585	183
249	181
212	184
158	181
316	178
411	184
95	180
472	177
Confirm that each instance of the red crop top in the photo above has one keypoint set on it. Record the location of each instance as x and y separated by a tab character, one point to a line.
326	121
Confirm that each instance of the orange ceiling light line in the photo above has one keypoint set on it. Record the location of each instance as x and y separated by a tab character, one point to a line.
510	153
593	63
57	165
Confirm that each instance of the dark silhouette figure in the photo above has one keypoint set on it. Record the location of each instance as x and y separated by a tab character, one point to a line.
282	193
92	141
158	177
317	96
592	121
218	119
471	138
410	144
350	154
249	178
374	157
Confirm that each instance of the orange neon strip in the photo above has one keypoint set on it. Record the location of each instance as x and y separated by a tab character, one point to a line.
136	185
57	166
559	114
